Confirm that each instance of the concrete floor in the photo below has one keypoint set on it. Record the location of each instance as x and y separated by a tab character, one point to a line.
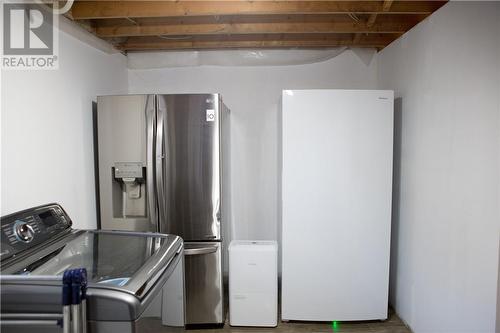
392	325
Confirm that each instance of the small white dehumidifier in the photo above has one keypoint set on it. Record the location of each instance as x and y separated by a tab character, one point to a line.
253	283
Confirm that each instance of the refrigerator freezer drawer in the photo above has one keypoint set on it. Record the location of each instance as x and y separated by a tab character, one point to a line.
204	289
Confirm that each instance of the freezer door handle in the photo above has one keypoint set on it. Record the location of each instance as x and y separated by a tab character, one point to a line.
200	250
150	140
160	157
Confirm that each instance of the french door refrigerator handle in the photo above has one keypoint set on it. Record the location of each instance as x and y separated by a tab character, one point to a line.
201	250
150	161
160	157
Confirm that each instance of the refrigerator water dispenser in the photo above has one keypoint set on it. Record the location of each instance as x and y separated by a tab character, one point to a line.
129	189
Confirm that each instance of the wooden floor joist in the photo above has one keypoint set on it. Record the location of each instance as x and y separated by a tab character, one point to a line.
117	9
179	24
213	45
248	28
373	17
254	41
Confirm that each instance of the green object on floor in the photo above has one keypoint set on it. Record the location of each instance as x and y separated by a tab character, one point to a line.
335	325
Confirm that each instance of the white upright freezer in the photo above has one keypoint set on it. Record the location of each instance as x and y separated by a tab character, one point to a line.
336	189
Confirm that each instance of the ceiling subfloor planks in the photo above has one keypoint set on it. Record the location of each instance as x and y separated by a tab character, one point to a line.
177	25
372	18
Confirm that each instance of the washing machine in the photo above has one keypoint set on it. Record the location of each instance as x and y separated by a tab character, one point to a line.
134	278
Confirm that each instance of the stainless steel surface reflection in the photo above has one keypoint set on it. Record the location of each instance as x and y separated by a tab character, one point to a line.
204	298
189	164
124	260
182	143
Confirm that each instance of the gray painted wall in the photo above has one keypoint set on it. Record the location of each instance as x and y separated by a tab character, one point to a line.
446	77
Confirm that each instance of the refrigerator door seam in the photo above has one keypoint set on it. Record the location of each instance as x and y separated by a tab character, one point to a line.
150	162
160	157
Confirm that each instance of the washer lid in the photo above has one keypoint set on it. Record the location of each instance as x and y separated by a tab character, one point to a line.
127	261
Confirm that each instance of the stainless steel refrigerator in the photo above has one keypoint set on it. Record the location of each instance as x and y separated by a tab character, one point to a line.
163	167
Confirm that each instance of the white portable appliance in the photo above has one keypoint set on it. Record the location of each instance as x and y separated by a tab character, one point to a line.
336	188
253	283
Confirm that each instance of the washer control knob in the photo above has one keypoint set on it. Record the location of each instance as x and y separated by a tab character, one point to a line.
23	231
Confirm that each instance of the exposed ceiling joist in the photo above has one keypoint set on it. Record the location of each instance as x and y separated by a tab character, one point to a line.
121	9
248	28
255	41
206	24
386	5
213	45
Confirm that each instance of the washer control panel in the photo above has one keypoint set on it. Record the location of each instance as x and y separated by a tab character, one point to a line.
24	230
